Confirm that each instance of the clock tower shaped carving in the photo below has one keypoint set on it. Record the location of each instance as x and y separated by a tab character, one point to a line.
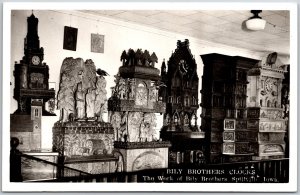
34	54
31	91
32	74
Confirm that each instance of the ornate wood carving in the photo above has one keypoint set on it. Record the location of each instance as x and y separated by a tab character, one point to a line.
32	74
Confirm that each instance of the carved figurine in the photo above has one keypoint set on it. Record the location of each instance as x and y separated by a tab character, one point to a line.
100	99
186	120
131	92
124	57
80	102
23	77
90	103
120	164
153	59
122	89
65	98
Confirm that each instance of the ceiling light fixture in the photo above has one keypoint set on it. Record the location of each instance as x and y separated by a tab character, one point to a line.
255	22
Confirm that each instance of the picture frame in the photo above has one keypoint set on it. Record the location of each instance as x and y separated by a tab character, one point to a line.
97	43
229	124
70	38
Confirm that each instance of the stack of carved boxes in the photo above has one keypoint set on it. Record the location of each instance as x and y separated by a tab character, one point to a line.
132	109
236	137
223	105
265	113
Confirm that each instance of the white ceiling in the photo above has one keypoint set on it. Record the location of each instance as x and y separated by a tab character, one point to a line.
220	26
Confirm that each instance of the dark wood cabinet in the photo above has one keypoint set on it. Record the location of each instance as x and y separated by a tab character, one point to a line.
224	109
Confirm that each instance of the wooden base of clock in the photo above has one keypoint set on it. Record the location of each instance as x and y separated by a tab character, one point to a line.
25	129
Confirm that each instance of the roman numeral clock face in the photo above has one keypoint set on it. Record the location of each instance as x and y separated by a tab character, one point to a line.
35	60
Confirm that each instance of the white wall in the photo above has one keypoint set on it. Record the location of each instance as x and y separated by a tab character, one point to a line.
119	36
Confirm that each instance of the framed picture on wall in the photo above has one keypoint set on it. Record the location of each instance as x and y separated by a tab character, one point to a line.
70	38
97	43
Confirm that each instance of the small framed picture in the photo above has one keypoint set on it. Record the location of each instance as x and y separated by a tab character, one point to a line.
228	148
97	43
229	124
70	38
228	136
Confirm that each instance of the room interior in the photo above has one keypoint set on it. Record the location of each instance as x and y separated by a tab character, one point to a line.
223	32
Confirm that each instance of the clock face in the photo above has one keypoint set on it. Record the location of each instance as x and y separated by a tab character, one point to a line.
269	85
35	60
183	66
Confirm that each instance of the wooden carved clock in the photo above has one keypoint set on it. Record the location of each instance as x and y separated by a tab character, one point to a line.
32	74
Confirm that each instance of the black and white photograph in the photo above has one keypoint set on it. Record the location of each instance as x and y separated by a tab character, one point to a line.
188	97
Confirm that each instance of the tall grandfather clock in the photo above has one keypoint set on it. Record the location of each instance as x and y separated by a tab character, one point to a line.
31	90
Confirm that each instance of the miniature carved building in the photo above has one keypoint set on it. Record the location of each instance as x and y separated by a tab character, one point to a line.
132	109
31	91
81	136
181	95
224	116
265	113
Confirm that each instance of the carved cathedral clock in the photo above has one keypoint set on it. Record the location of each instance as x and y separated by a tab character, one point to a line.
181	95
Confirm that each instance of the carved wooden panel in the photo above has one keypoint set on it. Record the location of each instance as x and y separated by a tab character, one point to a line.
253	124
147	160
228	136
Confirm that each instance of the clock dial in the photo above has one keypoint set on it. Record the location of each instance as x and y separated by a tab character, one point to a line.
183	66
35	60
269	85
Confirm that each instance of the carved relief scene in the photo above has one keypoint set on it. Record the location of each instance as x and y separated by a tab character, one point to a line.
81	99
82	93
